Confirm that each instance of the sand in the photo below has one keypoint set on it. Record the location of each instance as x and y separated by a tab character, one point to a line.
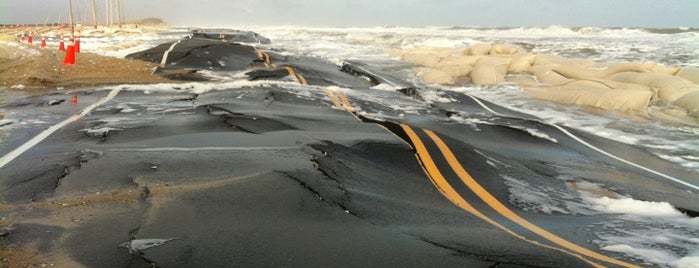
24	65
27	66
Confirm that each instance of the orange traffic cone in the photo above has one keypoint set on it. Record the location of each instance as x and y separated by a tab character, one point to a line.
70	55
43	41
74	99
61	45
31	38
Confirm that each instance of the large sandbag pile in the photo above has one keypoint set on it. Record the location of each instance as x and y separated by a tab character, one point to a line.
623	86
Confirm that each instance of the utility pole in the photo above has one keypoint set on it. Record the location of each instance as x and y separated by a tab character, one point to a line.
106	12
70	13
84	18
94	13
118	3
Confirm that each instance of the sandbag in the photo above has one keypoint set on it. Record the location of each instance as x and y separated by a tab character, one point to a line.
601	84
689	73
433	76
505	50
459	68
522	79
689	102
428	56
460	74
658	68
459	61
604	83
545	75
624	100
421	59
666	87
490	70
478	50
599	70
521	62
548	60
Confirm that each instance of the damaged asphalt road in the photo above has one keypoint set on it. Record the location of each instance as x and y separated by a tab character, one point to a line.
225	191
290	170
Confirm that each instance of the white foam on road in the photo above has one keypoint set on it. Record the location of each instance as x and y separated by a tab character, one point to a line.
647	254
653	232
581	141
630	206
46	133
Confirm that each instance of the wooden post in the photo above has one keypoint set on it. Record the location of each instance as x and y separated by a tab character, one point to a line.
84	18
94	13
106	12
70	13
118	3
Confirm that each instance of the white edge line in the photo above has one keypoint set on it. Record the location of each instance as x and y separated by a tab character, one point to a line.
581	141
44	134
484	106
195	149
164	60
624	160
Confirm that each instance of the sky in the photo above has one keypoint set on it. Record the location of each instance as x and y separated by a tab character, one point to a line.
345	13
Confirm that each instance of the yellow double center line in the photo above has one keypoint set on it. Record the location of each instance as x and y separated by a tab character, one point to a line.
341	102
447	190
264	57
433	172
297	77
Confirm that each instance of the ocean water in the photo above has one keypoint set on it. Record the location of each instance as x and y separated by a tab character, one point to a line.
672	47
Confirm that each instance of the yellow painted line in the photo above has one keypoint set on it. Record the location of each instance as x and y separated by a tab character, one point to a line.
303	80
267	60
445	188
509	214
259	54
345	106
297	77
293	74
334	99
263	57
346	102
438	179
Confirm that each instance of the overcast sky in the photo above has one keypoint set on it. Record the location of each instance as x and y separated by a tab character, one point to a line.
212	13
